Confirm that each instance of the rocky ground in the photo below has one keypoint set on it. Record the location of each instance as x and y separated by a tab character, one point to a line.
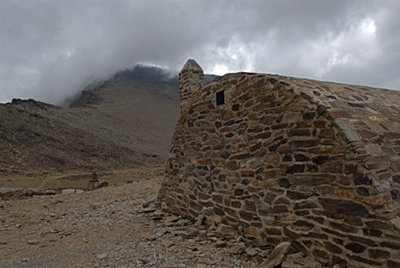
116	226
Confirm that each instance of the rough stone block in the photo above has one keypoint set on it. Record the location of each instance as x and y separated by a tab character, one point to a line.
341	208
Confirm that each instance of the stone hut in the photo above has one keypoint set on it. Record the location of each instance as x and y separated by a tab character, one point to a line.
287	159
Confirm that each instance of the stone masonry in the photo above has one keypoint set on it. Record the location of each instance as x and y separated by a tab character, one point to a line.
286	159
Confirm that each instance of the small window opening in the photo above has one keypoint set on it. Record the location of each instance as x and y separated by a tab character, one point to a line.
220	96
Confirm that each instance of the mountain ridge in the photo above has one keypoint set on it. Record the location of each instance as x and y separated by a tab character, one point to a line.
123	122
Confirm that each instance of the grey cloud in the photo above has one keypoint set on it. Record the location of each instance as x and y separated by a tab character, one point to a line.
51	49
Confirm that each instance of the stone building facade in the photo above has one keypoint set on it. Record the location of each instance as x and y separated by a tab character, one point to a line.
287	159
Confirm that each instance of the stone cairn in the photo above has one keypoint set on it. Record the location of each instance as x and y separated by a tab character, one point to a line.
281	159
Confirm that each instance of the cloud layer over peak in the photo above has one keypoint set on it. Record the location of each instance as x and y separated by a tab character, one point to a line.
51	49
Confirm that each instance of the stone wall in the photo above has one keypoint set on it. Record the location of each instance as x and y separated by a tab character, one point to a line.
277	165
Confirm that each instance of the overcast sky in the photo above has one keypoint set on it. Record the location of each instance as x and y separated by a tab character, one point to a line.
51	49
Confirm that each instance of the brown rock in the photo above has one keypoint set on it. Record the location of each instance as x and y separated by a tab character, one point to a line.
272	158
232	165
338	208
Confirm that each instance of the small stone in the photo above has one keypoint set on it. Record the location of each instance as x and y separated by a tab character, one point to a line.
251	251
183	222
160	232
171	219
102	256
149	203
200	220
213	238
3	242
396	223
239	239
167	243
100	184
33	242
148	210
151	238
220	244
179	233
68	191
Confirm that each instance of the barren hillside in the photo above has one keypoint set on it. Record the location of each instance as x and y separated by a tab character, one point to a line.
125	122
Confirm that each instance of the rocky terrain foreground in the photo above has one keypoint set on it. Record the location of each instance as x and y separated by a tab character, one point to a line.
118	226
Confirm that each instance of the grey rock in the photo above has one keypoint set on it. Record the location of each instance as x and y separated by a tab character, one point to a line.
8	190
33	242
171	219
183	222
200	220
348	129
396	223
160	232
68	191
251	251
102	256
239	239
383	187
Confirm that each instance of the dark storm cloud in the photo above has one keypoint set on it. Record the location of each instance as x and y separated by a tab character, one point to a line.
51	49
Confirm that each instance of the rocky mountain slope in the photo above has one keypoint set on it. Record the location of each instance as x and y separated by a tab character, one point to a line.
125	122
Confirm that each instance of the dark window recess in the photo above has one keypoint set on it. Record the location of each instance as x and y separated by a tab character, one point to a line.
220	97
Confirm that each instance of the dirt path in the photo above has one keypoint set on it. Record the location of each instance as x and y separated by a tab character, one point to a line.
115	226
